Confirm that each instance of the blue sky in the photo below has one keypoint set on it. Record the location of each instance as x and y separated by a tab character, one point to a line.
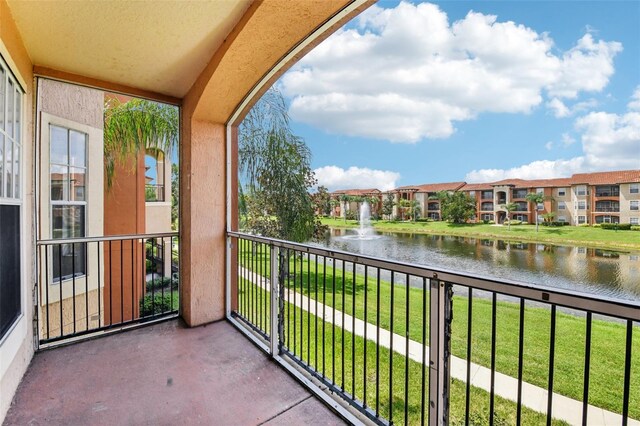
409	93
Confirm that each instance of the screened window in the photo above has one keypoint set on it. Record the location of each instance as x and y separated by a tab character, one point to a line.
582	219
634	188
10	199
562	192
634	221
562	205
582	205
581	190
68	177
633	205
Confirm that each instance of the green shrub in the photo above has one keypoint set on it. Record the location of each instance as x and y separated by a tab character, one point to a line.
513	222
596	225
555	223
160	282
616	226
635	227
155	304
584	225
491	222
352	215
148	265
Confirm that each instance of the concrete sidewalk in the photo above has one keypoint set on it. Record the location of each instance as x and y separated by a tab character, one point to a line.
533	397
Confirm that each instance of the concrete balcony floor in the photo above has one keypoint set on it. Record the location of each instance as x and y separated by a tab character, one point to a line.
164	374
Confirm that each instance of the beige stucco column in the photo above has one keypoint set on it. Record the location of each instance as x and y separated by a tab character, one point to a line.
247	58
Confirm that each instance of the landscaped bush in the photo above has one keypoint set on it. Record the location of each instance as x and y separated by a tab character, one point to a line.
635	228
148	265
155	304
491	222
513	222
555	223
584	225
352	215
160	282
616	226
596	225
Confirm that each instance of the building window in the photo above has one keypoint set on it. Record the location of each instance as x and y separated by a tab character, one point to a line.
634	221
68	176
562	205
582	219
582	205
581	190
633	205
634	188
562	218
540	206
154	163
540	190
562	192
487	216
520	217
10	199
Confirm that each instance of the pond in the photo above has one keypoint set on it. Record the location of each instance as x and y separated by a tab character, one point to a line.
603	272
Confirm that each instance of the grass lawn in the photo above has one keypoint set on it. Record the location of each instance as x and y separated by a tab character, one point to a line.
345	364
607	345
566	235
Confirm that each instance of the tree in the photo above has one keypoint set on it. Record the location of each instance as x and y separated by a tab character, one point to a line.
322	201
535	198
175	191
344	202
548	217
456	207
403	204
276	166
388	204
134	126
509	208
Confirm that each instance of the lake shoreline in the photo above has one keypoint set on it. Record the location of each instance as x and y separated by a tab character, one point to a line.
423	228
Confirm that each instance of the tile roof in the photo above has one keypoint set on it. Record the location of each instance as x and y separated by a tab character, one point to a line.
604	178
433	187
357	192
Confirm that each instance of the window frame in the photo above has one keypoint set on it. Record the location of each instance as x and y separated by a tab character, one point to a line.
69	203
15	195
634	188
634	205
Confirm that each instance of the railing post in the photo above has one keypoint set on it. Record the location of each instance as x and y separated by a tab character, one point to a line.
275	301
440	315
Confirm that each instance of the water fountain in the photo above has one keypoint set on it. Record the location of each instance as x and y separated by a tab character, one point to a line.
365	230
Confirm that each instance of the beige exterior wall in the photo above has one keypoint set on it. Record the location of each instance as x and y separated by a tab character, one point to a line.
17	346
626	197
568	211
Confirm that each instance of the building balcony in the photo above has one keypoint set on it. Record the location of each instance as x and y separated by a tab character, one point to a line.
164	374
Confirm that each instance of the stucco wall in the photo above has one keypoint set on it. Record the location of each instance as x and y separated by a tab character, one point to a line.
16	348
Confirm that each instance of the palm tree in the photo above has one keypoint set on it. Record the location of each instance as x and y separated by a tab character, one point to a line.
535	198
134	126
509	208
344	200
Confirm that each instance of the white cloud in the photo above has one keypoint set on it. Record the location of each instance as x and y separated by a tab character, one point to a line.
407	73
558	107
549	145
535	170
567	139
609	142
334	178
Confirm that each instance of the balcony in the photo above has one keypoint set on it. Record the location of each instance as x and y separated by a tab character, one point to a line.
360	332
607	207
607	191
164	374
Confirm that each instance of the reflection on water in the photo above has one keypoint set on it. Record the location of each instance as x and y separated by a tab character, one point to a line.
609	273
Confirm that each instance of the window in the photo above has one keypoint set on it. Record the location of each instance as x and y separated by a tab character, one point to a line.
634	188
581	190
562	218
154	176
562	192
487	216
472	194
582	219
520	217
10	199
562	205
633	205
68	172
540	206
634	221
582	205
539	190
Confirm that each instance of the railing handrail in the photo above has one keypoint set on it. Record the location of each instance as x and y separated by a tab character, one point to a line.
604	305
56	241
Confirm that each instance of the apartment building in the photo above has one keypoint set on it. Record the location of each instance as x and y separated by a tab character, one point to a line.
583	198
425	196
346	200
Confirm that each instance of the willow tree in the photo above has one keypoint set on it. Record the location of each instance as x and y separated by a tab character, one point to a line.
275	168
134	126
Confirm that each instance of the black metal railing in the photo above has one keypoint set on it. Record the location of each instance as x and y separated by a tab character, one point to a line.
107	283
611	208
407	344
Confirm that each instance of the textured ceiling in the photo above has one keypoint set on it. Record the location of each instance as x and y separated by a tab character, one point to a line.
157	46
